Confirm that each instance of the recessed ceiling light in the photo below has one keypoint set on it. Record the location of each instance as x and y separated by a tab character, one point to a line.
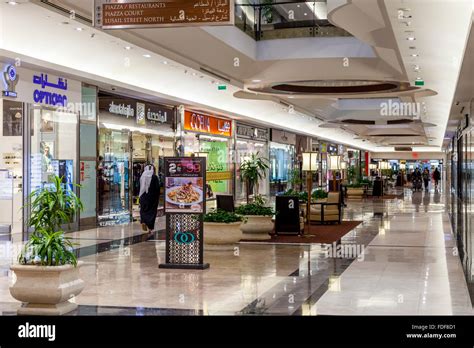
256	81
128	48
79	29
298	6
147	56
290	96
414	55
411	38
305	14
13	3
194	74
165	62
419	78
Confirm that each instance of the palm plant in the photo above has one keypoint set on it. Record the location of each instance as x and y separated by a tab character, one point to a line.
51	208
252	170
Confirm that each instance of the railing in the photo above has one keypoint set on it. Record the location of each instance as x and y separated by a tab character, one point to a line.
277	19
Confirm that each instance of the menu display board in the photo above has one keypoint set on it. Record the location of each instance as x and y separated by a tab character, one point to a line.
123	14
184	185
185	205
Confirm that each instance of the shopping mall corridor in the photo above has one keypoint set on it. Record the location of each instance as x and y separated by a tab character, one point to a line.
404	261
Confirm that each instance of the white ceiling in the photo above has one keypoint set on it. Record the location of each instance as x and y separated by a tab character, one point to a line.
440	28
104	59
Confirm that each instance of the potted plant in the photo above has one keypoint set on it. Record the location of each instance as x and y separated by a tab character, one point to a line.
257	222
319	195
251	171
47	275
221	229
355	191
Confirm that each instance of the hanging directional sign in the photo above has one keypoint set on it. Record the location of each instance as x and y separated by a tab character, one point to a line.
129	14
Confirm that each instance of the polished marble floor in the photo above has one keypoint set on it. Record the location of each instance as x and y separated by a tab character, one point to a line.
405	262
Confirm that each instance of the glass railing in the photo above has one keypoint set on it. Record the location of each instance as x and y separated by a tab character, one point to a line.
277	19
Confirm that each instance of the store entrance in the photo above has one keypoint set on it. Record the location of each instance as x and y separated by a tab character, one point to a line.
145	150
114	199
123	156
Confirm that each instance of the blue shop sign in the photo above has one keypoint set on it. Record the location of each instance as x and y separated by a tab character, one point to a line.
10	79
42	96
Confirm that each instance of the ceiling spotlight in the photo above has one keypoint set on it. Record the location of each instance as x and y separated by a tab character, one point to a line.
305	14
165	62
128	48
194	74
419	78
13	3
256	81
411	38
147	55
414	55
298	6
79	29
416	68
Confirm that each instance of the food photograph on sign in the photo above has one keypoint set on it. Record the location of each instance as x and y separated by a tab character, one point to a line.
184	195
184	186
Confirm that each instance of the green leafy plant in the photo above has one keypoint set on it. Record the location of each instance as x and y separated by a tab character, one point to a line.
48	249
252	170
51	208
295	178
223	216
267	11
319	194
355	185
302	196
254	209
366	182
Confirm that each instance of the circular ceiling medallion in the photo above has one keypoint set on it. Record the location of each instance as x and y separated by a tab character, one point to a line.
332	87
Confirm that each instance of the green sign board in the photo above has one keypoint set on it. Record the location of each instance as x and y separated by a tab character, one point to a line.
217	154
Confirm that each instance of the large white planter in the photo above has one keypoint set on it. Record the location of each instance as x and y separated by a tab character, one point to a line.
355	193
255	227
221	236
46	290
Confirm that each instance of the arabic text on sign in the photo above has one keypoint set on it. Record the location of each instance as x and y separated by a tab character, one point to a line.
47	97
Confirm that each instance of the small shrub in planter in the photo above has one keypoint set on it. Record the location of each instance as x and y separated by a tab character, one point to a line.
254	209
48	273
319	194
221	230
222	216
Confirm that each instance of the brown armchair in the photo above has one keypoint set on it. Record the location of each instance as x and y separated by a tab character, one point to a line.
329	211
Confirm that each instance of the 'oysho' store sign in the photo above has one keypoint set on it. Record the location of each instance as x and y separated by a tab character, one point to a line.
49	92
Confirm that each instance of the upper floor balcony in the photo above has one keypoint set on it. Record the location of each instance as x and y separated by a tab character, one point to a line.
279	19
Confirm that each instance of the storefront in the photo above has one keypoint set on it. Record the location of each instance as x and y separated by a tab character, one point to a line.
132	134
282	160
47	106
211	137
250	140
